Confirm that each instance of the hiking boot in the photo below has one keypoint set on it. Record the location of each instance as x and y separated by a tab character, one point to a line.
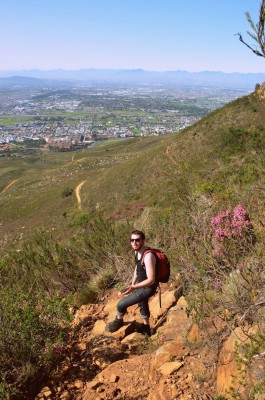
144	329
114	325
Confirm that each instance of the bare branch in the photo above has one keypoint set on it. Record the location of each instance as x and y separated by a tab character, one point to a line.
251	48
260	304
258	33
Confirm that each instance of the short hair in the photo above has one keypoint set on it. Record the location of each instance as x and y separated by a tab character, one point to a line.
140	233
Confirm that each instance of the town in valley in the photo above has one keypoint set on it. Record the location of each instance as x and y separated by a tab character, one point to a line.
68	116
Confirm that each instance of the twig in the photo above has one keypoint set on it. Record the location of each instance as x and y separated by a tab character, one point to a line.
260	304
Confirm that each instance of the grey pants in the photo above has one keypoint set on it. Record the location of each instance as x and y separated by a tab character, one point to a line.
140	297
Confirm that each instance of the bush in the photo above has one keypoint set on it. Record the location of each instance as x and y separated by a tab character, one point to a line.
29	330
87	294
67	192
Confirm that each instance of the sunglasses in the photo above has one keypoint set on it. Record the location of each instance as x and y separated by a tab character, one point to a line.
135	240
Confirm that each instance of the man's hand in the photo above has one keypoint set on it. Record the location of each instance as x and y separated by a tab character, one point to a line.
128	290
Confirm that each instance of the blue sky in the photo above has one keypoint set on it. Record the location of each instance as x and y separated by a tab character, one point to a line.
159	35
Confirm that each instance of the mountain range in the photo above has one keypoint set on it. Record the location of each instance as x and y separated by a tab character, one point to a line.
142	76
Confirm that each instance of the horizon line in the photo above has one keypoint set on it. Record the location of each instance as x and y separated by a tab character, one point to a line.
127	69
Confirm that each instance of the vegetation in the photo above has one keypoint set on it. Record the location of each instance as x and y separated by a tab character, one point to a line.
257	32
198	195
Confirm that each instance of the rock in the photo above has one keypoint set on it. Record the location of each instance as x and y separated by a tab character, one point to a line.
84	315
113	378
182	303
159	393
110	308
78	384
93	384
132	338
166	352
81	346
99	327
169	367
177	325
194	335
227	364
198	369
66	396
127	373
46	392
260	396
89	395
66	369
125	330
168	299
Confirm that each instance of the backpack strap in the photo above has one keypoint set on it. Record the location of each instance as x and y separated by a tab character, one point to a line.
160	299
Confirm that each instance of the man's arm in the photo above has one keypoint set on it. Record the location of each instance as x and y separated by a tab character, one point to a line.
130	288
134	278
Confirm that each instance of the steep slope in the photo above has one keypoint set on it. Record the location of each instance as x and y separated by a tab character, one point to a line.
221	154
198	194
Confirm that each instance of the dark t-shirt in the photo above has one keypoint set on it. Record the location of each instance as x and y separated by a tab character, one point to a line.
141	272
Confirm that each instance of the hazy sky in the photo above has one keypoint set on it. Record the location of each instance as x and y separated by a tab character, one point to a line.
159	35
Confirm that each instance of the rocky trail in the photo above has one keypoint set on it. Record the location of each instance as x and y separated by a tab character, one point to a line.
180	360
77	193
9	185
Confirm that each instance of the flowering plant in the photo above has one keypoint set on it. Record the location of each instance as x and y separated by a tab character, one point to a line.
231	223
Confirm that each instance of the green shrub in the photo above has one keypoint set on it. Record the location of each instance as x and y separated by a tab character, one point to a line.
67	192
240	140
81	220
29	330
86	294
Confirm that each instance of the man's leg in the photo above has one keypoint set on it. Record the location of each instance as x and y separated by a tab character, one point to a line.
145	315
137	297
122	306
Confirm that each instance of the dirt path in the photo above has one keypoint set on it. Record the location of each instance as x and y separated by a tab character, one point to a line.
170	156
9	185
77	193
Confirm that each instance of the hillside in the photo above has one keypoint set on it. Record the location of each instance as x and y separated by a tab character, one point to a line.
66	217
211	156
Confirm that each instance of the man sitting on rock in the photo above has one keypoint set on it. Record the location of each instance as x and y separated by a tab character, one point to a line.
142	287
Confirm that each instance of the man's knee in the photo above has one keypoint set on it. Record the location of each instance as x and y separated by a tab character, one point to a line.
121	306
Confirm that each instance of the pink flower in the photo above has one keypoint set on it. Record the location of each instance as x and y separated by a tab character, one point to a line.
231	223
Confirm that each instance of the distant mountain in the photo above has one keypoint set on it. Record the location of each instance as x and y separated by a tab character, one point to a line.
28	81
141	76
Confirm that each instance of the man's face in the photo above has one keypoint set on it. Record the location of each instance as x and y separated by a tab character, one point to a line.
136	242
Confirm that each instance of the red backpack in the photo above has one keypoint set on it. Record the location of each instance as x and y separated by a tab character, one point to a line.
162	265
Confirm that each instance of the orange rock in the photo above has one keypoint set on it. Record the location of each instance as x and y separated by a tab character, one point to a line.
227	363
168	299
160	393
182	302
166	352
84	315
177	325
93	384
194	335
125	330
90	395
113	378
99	327
133	337
169	367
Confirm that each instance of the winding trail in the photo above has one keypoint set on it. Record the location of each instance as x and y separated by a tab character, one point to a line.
170	156
9	185
77	193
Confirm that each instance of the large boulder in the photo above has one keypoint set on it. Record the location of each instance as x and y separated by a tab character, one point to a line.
229	368
177	323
